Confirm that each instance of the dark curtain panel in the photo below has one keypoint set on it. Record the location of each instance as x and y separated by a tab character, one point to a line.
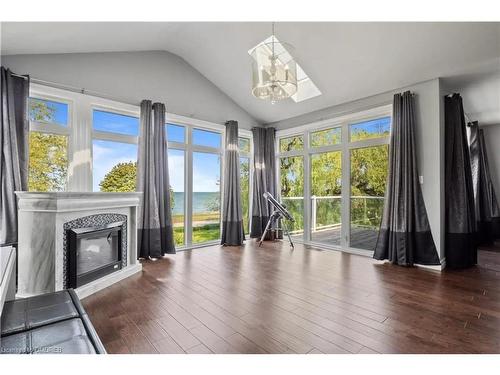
232	214
155	233
405	236
264	178
485	201
460	221
14	150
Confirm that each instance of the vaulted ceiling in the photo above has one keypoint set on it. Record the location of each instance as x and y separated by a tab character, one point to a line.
347	61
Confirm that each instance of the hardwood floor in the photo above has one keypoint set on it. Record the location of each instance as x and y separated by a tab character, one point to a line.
277	300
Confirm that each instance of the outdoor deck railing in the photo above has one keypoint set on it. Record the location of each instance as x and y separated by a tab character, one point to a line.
365	211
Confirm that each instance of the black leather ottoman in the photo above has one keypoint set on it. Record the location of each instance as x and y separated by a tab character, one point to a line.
50	323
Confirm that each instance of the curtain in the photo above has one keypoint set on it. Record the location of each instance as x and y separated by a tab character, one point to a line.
264	178
13	150
232	214
460	221
485	201
405	237
155	233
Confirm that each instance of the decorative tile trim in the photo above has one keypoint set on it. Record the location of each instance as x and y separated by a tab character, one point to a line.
93	221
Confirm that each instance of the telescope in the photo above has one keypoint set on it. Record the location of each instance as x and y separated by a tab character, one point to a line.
280	212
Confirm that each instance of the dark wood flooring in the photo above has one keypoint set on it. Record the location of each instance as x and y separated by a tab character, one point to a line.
277	300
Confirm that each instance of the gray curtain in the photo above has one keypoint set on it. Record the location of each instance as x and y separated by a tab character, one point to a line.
405	237
264	178
460	221
155	233
232	214
14	150
485	201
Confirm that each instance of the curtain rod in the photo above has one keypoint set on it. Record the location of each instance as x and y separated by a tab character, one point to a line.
74	89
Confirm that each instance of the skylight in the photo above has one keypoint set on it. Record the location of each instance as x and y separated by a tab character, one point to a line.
306	89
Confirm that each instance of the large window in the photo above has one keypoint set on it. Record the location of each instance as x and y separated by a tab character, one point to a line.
84	143
195	162
48	145
114	151
333	178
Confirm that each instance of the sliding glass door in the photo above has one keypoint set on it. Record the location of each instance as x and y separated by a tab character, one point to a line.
333	181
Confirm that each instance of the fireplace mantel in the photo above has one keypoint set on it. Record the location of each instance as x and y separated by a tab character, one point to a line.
41	237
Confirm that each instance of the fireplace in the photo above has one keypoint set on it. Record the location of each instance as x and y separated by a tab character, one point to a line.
93	252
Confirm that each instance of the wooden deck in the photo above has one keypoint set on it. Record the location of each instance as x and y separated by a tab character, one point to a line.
361	237
277	300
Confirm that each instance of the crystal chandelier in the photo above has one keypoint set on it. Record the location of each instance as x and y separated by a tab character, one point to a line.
274	71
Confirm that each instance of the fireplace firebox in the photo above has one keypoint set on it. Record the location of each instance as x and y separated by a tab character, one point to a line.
93	252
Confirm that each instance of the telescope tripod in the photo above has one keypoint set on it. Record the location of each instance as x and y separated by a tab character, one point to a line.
276	215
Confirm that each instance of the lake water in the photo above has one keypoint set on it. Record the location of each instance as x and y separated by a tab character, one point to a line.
201	202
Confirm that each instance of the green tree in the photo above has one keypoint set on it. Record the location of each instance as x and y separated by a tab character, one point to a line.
121	178
48	159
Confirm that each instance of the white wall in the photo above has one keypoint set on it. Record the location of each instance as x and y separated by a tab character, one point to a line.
134	76
492	140
429	139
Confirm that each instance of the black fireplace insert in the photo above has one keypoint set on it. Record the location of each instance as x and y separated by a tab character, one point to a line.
93	252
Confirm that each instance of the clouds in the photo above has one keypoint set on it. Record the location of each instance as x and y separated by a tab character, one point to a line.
176	169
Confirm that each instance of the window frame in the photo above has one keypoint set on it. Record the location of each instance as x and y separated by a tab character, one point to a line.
345	146
53	128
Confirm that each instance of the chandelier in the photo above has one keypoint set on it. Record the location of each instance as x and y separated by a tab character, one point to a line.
274	71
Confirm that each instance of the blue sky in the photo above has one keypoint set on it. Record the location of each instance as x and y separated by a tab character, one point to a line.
377	126
115	123
60	111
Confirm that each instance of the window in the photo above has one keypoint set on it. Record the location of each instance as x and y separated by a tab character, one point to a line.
244	145
326	199
48	162
326	137
176	133
368	181
115	123
48	145
48	111
334	185
114	151
295	143
370	129
114	166
176	168
206	197
206	138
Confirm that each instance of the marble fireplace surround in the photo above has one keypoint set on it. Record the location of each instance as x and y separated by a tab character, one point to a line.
42	218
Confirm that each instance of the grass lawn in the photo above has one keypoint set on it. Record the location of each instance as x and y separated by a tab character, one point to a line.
208	232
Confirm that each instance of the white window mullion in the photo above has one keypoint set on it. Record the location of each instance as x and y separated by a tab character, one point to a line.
307	188
346	189
188	191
